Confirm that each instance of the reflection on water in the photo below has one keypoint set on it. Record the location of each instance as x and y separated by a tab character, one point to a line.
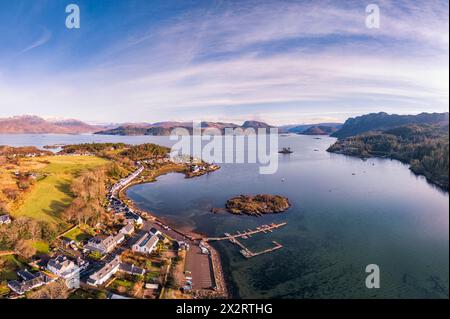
346	214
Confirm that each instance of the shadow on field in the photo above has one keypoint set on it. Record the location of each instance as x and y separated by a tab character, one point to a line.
64	187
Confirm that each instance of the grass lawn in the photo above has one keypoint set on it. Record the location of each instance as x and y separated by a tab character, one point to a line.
152	276
124	283
4	290
77	235
42	248
50	195
121	286
11	265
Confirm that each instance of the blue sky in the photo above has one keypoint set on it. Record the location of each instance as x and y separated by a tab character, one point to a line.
277	61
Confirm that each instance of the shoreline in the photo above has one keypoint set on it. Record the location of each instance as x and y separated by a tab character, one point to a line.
221	284
438	185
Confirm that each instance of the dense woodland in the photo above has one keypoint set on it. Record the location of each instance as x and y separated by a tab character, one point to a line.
123	156
20	235
89	192
424	147
144	151
92	148
117	151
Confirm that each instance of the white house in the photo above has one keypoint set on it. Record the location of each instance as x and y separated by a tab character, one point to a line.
106	272
66	269
136	218
29	281
128	229
131	269
5	219
102	245
146	244
154	231
119	238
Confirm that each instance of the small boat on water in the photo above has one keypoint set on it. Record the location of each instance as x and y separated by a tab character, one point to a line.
286	150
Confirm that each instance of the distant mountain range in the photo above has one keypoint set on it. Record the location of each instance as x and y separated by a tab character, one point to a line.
30	124
312	129
351	127
165	128
383	121
33	125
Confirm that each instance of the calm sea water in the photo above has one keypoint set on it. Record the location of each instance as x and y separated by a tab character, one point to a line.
346	214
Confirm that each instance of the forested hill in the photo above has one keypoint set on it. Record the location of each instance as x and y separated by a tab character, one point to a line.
424	146
384	121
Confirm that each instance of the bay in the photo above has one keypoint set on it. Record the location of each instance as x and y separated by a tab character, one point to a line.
346	214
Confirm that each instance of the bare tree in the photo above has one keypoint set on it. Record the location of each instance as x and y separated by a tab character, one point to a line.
89	191
54	290
3	208
24	248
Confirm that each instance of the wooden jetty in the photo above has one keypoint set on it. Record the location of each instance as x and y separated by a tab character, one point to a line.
248	232
246	252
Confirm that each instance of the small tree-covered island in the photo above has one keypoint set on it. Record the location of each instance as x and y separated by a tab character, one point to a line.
257	205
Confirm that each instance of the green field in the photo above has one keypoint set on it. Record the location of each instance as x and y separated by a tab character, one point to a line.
11	265
4	290
51	194
77	234
41	247
121	286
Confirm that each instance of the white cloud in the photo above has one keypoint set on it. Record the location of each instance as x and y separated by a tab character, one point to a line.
209	62
43	39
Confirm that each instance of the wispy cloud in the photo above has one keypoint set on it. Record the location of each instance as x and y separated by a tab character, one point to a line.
43	39
286	61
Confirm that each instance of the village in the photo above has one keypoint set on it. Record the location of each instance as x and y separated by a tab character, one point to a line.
139	257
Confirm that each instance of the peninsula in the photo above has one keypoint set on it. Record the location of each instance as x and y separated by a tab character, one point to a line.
421	141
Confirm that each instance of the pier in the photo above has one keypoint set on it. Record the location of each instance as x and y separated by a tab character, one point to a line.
246	252
248	232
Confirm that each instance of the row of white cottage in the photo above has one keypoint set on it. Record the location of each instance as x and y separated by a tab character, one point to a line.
109	269
105	245
69	270
125	181
60	266
145	245
148	242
